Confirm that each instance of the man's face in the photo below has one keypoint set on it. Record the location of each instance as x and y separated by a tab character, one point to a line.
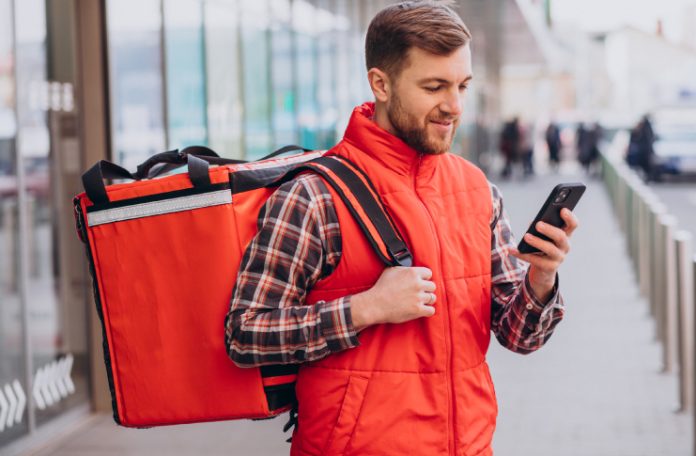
427	97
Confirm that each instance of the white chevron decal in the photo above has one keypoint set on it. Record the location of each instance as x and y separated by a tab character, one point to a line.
52	382
36	390
4	408
9	394
19	392
12	403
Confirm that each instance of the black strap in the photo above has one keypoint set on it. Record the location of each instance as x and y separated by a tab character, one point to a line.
198	171
399	253
170	156
93	179
175	158
172	162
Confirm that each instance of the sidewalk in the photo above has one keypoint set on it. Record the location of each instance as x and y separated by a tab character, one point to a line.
596	387
594	390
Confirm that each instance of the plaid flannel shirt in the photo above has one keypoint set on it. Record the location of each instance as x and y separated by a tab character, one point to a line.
299	242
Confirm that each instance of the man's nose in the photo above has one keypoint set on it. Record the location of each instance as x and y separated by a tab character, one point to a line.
452	104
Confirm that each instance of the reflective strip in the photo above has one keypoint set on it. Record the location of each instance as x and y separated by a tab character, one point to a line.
182	203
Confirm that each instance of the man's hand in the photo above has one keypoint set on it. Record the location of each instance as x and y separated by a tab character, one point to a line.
543	267
400	294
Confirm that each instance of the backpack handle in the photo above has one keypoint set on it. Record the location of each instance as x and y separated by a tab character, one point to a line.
93	178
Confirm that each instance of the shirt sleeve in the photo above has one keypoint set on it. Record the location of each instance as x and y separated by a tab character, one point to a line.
519	320
297	243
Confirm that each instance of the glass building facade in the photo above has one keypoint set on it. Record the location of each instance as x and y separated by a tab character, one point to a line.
243	77
43	322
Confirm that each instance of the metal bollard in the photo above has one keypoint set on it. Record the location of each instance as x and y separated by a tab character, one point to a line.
643	240
637	190
669	294
635	228
645	255
685	315
693	291
631	220
656	268
620	199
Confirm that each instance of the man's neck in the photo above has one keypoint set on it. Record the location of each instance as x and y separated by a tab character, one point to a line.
381	118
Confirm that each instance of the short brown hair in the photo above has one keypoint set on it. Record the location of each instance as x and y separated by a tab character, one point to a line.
426	24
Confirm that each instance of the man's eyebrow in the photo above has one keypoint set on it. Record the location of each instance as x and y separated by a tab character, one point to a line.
443	81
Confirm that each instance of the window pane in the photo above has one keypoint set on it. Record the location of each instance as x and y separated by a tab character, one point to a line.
222	65
326	70
12	354
359	87
255	66
343	65
135	49
303	17
284	124
57	327
183	22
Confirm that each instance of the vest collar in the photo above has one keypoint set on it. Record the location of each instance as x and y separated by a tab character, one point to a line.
363	133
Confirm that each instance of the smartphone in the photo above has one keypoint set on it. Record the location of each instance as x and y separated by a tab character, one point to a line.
562	195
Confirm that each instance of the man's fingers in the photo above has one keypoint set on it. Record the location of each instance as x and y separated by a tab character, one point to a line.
542	262
428	286
423	272
571	221
428	298
427	311
557	235
551	250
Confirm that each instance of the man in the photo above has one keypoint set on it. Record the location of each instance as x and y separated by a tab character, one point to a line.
393	360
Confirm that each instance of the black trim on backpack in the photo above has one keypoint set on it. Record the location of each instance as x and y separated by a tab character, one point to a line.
82	229
252	179
278	370
280	396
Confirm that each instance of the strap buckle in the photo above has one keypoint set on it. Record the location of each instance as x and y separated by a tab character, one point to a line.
403	257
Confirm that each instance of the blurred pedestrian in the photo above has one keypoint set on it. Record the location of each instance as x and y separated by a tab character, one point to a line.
633	154
525	149
580	141
589	147
641	153
553	142
509	145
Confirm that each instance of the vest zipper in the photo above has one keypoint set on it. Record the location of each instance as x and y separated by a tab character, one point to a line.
450	380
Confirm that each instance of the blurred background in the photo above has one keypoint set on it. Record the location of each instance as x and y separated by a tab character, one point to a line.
562	88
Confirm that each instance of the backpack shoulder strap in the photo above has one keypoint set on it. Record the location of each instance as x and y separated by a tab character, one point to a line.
362	200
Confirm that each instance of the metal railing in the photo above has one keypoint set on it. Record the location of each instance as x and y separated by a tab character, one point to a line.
665	266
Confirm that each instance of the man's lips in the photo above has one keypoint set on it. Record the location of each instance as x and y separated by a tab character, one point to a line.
442	125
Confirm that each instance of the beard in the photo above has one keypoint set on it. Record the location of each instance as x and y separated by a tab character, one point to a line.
414	133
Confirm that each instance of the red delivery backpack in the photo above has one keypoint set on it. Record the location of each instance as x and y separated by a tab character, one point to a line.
164	254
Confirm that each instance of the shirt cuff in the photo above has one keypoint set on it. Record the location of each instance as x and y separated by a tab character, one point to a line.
534	304
336	324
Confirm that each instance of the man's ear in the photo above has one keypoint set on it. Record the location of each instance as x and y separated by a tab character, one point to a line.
380	84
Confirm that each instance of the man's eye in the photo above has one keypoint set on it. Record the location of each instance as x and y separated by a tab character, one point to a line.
462	88
433	89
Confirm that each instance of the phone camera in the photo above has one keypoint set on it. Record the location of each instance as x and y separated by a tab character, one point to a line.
562	196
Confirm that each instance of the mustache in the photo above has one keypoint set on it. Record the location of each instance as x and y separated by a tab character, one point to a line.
444	119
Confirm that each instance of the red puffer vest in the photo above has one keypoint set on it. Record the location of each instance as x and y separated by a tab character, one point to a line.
422	387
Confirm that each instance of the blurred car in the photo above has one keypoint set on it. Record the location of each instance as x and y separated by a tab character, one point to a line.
675	151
